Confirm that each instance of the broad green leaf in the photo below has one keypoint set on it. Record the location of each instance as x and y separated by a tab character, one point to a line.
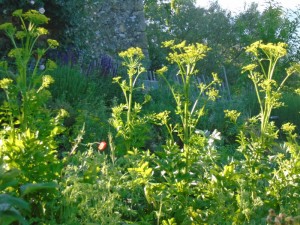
8	200
32	188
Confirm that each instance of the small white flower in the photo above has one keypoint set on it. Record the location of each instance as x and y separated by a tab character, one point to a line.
197	131
193	183
42	67
42	10
32	2
210	141
216	135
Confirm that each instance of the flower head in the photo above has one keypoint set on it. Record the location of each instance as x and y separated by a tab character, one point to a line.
47	80
288	127
5	83
42	10
233	115
162	70
52	43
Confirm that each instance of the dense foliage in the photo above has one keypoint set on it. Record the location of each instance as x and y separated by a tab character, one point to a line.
202	146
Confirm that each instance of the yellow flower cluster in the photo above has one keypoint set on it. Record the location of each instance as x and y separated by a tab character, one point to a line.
271	50
133	52
186	55
232	115
47	80
5	83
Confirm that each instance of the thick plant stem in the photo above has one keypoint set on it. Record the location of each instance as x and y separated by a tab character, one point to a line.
186	125
129	101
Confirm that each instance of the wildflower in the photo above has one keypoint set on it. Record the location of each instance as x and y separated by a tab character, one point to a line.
162	70
35	17
167	44
63	113
20	34
186	55
249	67
42	31
102	146
293	69
216	135
212	94
15	53
32	2
274	50
132	53
42	10
42	67
253	48
5	83
52	43
47	80
288	127
233	115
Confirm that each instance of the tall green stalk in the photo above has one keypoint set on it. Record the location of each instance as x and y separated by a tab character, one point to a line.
267	89
24	47
186	57
29	138
132	61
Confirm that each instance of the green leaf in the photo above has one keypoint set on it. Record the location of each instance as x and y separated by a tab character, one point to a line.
33	188
11	215
8	201
169	222
17	12
7	178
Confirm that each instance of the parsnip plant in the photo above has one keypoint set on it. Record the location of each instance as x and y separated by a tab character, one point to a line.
126	119
29	129
189	110
262	72
184	171
264	158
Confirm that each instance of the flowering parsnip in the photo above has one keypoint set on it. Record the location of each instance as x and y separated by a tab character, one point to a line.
29	137
186	58
133	130
261	72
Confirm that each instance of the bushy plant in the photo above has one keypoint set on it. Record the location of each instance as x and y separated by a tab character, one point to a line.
29	128
263	157
95	188
182	168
